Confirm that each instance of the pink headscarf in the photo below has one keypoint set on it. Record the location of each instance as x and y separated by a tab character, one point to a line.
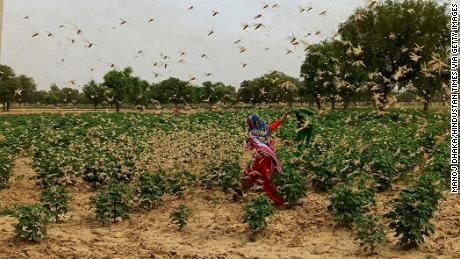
261	142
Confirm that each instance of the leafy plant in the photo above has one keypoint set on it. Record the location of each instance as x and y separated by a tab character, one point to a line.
257	211
33	222
323	180
179	217
150	190
175	186
370	233
226	174
413	209
292	186
54	164
210	176
6	165
438	163
230	175
100	169
56	200
382	167
112	203
177	182
349	202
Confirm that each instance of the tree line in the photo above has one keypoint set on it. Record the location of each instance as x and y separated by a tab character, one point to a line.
121	87
396	51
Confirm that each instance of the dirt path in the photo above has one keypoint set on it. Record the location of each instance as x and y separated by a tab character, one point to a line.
22	186
215	230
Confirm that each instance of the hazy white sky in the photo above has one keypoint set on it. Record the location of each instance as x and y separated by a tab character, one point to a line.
174	29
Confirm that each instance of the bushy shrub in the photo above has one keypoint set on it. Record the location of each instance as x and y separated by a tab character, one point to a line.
178	181
226	174
102	168
349	203
435	127
55	166
325	166
370	233
150	190
112	203
56	200
292	186
257	211
175	186
412	210
381	163
210	177
179	217
33	222
323	180
231	176
97	175
439	162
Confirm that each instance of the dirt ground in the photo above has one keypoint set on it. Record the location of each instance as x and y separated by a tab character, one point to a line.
215	229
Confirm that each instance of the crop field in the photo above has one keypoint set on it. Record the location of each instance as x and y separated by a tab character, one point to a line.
163	186
228	129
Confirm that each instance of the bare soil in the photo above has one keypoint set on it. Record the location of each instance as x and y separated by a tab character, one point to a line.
215	229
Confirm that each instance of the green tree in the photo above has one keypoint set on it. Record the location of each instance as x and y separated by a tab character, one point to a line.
38	97
119	82
53	96
406	96
229	95
399	40
69	95
229	99
94	93
317	72
349	75
303	94
173	90
214	92
280	87
137	91
27	87
289	90
249	92
269	88
429	79
8	86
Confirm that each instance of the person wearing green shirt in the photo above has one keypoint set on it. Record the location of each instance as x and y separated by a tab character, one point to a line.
306	126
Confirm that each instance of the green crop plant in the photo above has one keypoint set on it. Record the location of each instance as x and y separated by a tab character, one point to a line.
56	200
150	190
32	221
179	217
349	202
257	212
112	203
370	233
412	210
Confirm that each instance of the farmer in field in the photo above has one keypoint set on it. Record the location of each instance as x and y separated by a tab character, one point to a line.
306	125
266	159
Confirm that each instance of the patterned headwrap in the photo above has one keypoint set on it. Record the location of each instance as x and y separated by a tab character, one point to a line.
259	129
259	138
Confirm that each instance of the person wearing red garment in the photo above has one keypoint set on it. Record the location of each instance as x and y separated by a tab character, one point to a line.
266	160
